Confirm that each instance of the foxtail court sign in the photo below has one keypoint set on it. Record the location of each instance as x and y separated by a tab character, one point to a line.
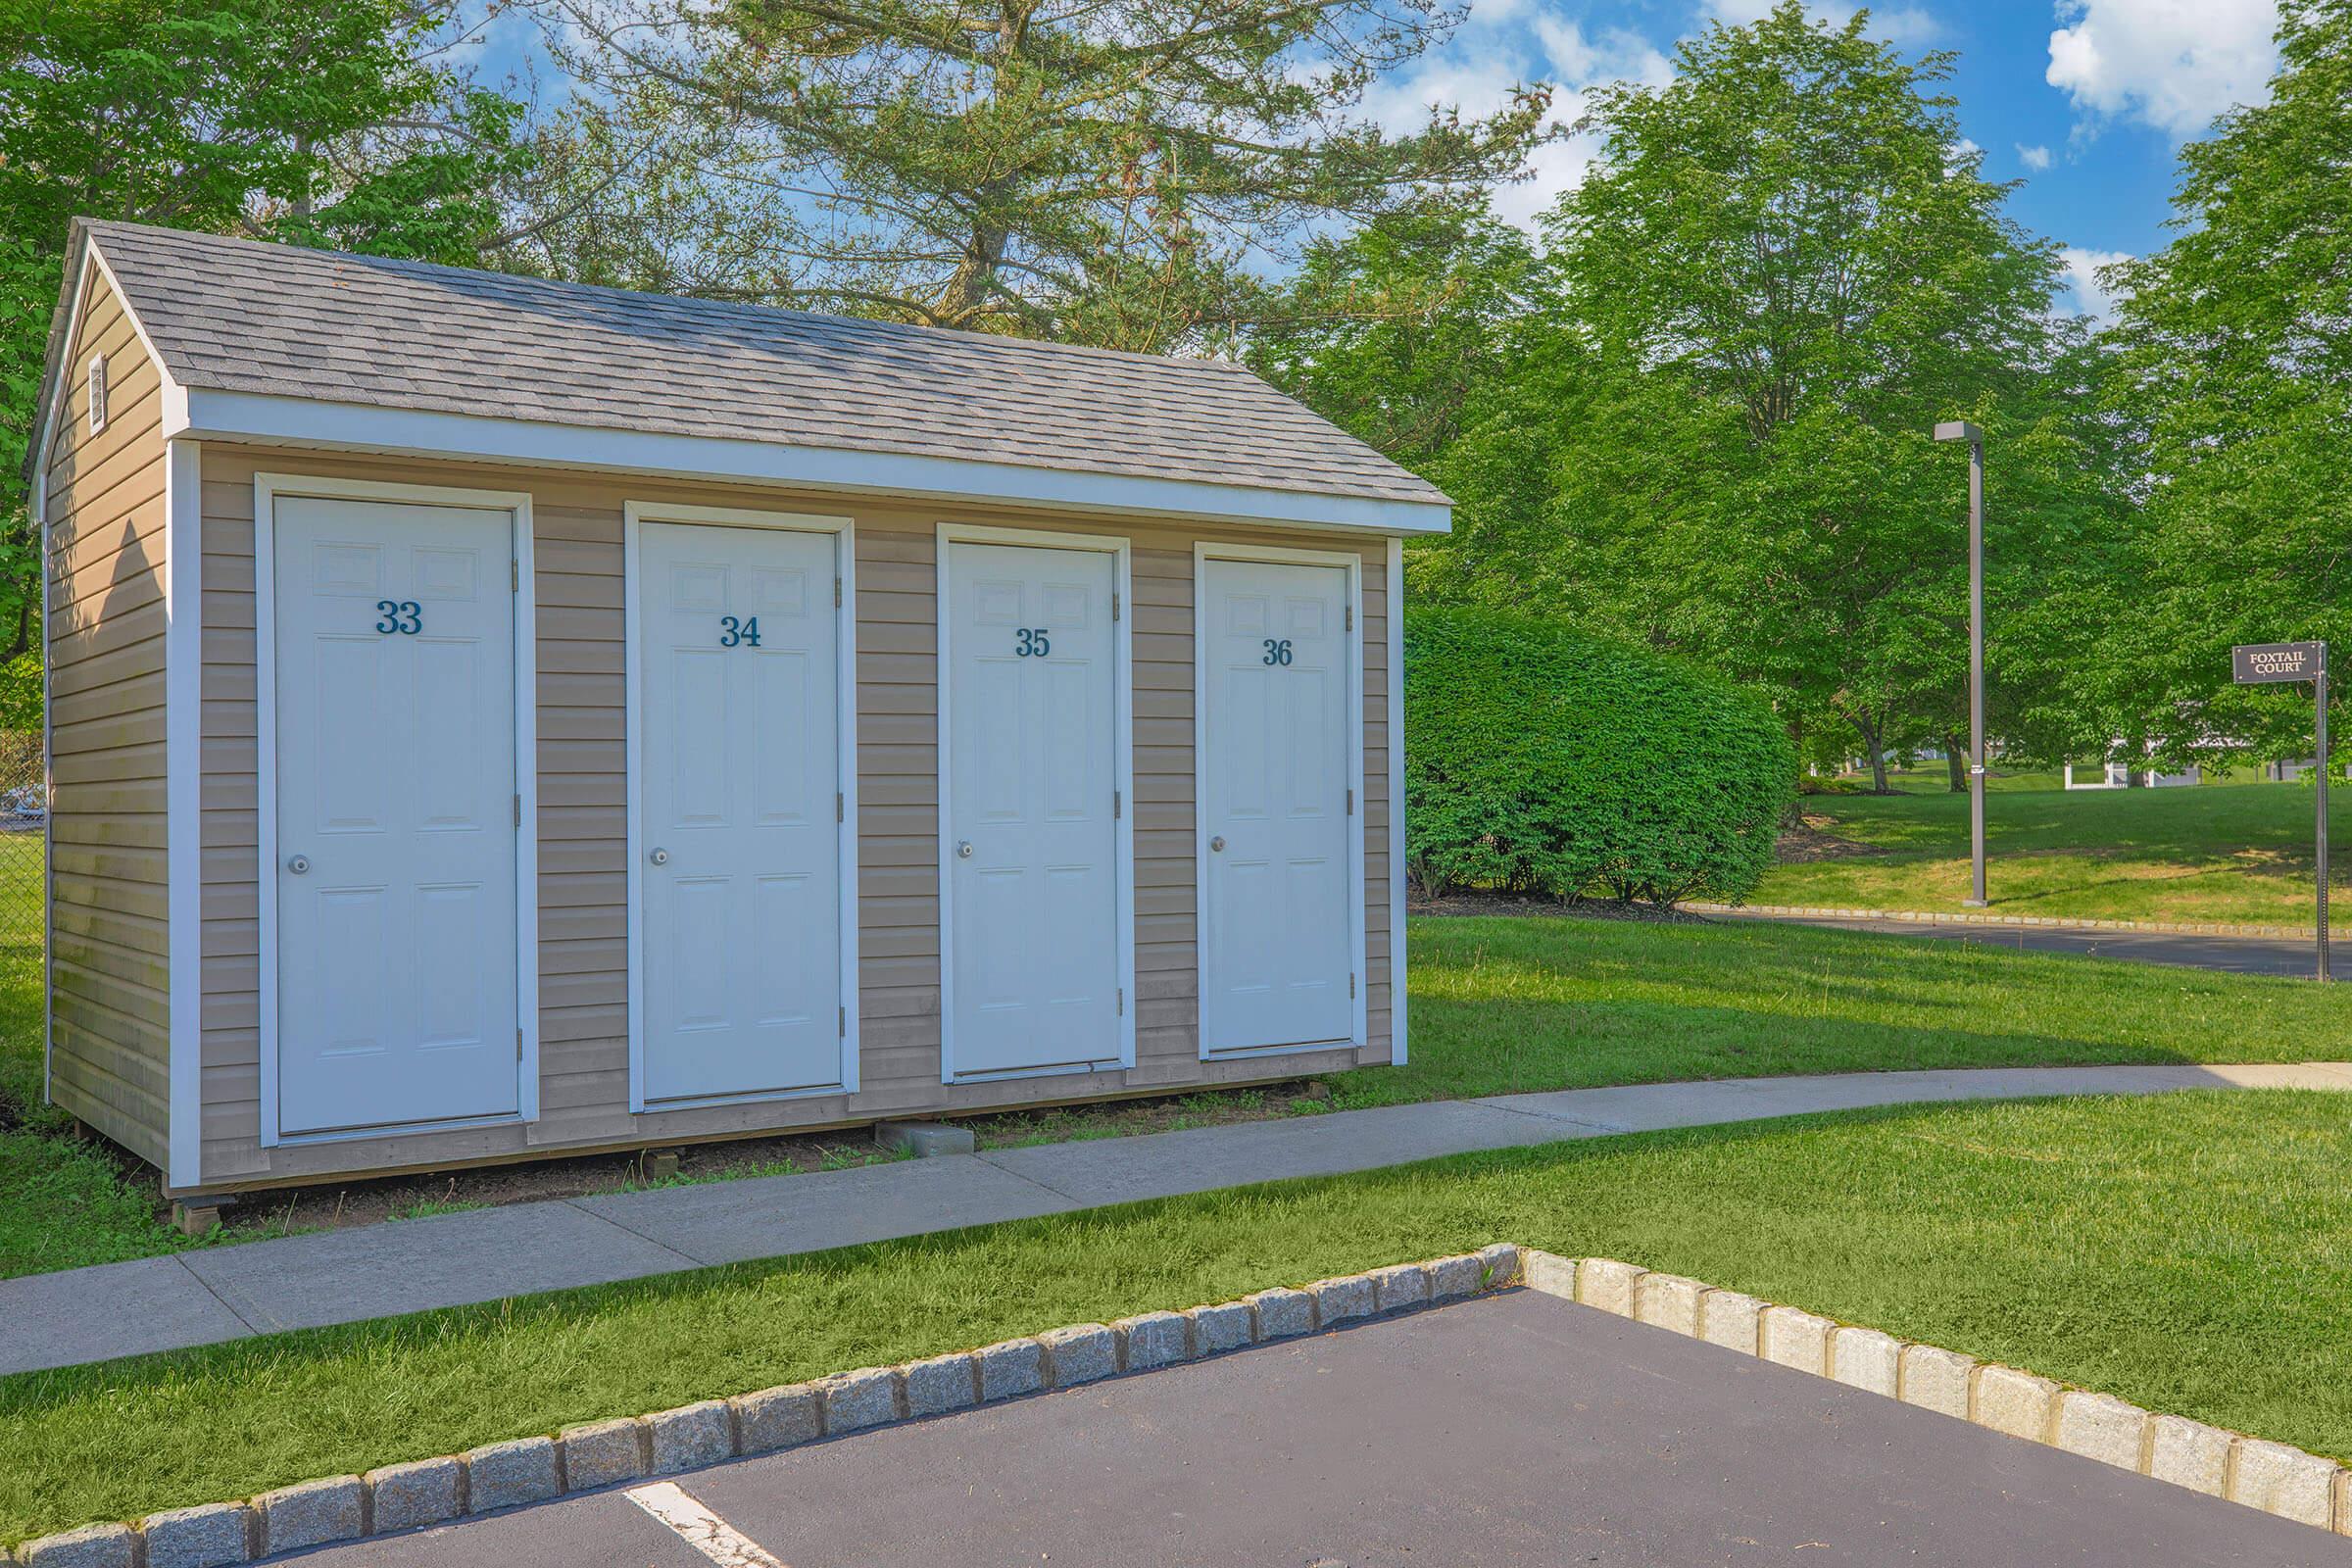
2258	664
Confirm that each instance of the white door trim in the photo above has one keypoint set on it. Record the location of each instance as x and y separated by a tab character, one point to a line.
516	504
1353	566
635	514
1122	774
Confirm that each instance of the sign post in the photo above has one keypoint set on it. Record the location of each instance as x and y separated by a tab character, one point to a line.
2265	663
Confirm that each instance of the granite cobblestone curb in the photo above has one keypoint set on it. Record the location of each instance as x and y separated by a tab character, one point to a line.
2046	922
2270	1476
593	1456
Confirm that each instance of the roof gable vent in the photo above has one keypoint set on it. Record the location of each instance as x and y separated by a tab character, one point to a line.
97	393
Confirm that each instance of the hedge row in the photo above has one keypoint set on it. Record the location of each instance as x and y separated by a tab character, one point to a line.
1546	761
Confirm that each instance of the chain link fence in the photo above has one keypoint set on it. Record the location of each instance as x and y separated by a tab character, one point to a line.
23	811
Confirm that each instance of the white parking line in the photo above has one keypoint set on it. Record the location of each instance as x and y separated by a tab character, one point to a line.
700	1528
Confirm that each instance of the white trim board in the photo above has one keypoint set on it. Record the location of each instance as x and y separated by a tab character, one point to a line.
1353	566
40	514
184	811
635	514
1122	773
250	417
266	488
1394	600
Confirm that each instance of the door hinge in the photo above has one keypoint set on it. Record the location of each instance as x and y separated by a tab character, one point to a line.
518	811
1118	805
513	576
518	1041
1350	802
844	1022
837	593
1114	605
1123	1002
1348	618
841	807
1351	984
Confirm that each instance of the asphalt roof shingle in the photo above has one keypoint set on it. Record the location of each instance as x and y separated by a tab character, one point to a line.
240	315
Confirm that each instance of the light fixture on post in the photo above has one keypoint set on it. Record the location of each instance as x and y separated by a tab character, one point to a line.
1963	431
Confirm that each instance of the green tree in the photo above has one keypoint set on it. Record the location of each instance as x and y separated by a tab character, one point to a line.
1111	171
1405	331
2234	376
316	120
1786	268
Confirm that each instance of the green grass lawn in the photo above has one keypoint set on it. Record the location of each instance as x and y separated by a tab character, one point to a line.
2191	1252
2237	851
1506	1005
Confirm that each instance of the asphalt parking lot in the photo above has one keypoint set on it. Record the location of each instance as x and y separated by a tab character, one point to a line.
1515	1429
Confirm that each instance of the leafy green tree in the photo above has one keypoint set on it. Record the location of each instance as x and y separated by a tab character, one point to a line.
316	120
1111	171
1784	269
2234	379
1403	332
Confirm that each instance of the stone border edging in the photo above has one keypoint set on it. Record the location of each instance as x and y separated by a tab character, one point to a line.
2273	1477
2177	928
597	1454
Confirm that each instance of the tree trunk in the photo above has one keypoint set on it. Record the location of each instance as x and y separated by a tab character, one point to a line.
1953	757
1871	729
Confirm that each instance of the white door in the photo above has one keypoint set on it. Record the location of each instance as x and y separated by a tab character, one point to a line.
1280	902
396	806
738	764
1030	839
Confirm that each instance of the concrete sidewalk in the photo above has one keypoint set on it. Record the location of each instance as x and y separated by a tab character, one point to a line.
2193	949
228	1293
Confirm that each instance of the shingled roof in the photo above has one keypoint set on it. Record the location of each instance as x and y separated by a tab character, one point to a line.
238	315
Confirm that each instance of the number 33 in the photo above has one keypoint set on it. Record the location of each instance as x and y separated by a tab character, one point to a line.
403	617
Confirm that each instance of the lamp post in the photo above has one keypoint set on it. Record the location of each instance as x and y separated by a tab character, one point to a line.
1962	430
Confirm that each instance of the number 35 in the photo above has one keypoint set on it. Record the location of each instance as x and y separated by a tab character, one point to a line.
1029	642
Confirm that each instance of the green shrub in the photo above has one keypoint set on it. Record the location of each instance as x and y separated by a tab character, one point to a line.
1543	760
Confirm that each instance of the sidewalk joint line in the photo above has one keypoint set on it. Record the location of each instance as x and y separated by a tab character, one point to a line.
630	1230
226	1305
986	1157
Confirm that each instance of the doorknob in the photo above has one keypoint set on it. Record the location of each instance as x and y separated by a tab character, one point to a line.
1217	843
659	857
964	851
298	863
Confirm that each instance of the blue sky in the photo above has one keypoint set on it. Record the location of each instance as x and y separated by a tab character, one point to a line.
2087	101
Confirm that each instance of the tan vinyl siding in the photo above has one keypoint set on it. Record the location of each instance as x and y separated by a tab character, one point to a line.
110	976
582	761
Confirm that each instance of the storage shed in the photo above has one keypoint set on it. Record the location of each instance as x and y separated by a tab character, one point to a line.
493	718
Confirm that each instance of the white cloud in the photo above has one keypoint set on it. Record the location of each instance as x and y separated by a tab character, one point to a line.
1477	70
2082	280
2170	64
1904	26
2037	158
